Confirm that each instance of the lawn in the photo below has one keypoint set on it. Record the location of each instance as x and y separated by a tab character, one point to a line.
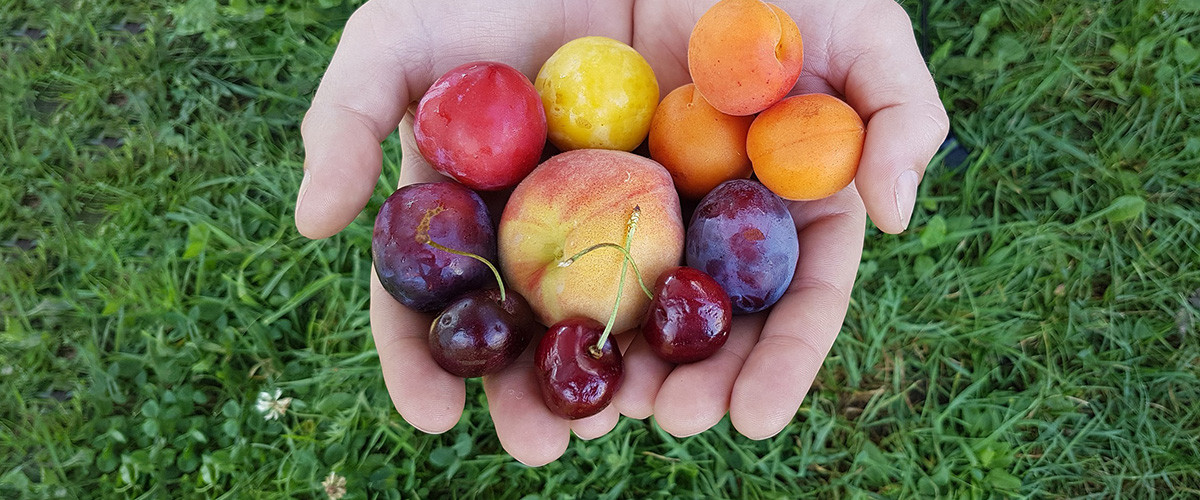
1036	333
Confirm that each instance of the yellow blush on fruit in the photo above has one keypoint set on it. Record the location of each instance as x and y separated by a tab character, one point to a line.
598	93
578	199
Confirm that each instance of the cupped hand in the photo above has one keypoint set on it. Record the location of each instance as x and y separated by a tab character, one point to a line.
392	50
863	51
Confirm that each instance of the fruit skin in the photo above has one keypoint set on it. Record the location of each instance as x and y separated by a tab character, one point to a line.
573	201
743	236
598	93
574	383
806	147
420	276
481	124
745	55
689	317
479	334
698	144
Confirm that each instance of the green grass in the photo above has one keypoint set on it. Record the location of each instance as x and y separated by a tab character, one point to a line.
1035	335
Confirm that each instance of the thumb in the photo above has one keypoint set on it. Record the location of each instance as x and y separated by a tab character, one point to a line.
360	101
414	167
890	86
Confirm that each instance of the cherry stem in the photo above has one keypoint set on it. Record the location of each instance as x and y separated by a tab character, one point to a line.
423	237
596	350
628	257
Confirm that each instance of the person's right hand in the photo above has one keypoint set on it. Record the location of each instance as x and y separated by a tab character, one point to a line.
390	52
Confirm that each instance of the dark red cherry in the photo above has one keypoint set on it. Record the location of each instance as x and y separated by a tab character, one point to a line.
479	334
577	378
689	317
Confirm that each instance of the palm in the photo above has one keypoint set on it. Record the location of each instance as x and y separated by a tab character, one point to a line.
761	375
392	50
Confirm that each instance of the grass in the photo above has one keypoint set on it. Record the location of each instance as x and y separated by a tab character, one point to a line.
1034	335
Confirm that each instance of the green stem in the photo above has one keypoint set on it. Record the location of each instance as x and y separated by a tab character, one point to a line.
485	262
628	257
422	236
612	318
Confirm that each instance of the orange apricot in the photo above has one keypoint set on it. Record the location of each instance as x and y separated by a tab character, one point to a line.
806	147
745	55
700	146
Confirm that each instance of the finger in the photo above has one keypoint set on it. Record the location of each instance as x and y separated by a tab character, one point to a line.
695	396
359	102
802	326
644	374
900	142
525	427
428	397
597	425
887	82
414	167
602	423
665	44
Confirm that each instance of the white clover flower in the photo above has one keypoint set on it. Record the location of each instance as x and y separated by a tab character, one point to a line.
335	486
271	405
6	370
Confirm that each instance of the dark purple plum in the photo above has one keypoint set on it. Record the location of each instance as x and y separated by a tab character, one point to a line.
743	236
479	334
689	317
416	274
577	379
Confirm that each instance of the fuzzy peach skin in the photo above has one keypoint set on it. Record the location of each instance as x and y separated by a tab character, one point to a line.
806	147
573	201
745	55
700	146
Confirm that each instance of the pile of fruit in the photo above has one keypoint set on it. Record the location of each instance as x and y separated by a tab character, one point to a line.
584	232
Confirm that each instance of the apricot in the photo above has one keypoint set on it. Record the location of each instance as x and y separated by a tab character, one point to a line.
806	147
700	146
598	93
745	55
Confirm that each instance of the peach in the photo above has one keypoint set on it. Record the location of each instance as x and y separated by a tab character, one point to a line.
575	200
806	147
745	55
700	146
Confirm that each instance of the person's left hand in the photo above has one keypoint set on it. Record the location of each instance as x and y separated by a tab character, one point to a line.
864	52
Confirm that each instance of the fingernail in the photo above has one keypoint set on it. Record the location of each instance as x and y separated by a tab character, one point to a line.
303	189
906	196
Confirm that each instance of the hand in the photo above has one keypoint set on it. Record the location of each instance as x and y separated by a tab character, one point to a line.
863	51
392	50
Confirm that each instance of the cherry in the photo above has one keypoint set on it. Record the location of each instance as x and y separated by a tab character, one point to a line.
578	373
477	333
482	332
689	317
579	367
